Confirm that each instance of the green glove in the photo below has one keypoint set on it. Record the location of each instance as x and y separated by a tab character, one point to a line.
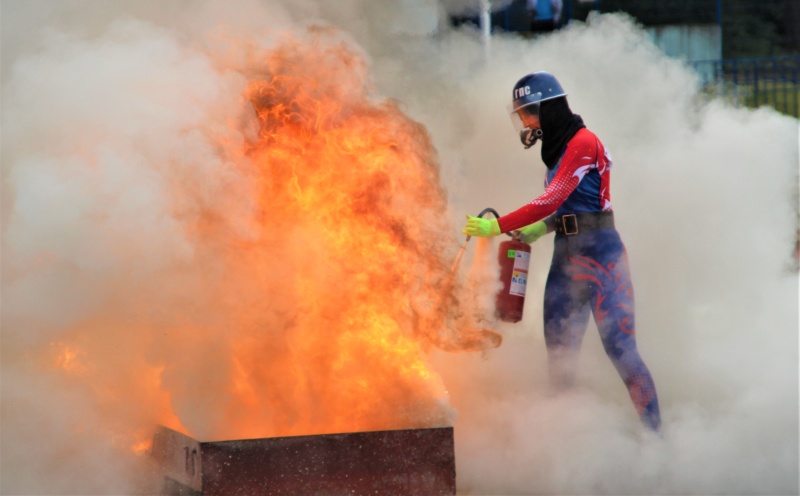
478	226
532	232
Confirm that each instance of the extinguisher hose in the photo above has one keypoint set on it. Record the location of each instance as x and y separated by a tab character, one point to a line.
464	246
489	210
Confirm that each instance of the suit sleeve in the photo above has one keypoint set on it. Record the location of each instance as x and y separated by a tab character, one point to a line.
579	157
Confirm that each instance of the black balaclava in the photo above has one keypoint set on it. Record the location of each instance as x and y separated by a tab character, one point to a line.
559	125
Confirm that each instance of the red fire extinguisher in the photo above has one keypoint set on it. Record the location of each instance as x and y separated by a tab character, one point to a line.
514	257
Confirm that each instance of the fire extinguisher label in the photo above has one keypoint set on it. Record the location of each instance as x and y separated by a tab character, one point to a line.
522	260
519	280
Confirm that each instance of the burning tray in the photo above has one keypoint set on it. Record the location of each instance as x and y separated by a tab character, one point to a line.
402	462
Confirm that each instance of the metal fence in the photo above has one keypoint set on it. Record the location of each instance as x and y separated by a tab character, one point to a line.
753	82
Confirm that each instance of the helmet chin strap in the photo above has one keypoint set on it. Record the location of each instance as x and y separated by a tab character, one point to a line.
528	137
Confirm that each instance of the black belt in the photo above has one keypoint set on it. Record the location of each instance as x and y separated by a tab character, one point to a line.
571	224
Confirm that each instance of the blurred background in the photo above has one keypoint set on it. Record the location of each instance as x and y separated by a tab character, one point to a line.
148	278
745	51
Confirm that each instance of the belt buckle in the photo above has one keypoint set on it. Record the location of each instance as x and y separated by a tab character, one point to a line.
567	231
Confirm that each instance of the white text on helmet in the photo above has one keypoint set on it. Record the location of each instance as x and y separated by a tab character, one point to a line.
520	92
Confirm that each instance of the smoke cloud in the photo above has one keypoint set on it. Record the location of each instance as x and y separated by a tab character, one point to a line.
124	130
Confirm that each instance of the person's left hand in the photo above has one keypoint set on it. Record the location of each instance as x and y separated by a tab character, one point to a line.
484	228
531	233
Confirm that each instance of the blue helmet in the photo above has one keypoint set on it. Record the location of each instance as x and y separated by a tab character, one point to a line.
535	88
529	92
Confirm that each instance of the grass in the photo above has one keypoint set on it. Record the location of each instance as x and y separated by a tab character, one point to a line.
782	96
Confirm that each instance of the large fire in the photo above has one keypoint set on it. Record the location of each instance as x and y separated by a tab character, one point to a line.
349	184
327	304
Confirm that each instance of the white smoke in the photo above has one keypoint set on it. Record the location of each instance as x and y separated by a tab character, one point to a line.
705	199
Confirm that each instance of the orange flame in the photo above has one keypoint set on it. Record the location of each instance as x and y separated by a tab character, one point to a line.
354	221
318	312
68	358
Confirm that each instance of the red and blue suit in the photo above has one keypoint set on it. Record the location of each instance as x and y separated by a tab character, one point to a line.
589	273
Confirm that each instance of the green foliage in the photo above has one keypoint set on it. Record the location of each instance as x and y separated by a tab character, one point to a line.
753	28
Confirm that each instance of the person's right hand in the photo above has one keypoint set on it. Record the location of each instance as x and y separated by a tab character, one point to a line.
478	226
532	232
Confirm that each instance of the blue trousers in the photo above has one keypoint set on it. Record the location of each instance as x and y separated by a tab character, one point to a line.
590	274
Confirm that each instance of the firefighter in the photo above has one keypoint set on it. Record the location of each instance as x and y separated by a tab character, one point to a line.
589	272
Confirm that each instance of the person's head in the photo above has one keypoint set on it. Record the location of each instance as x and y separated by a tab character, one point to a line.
527	98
